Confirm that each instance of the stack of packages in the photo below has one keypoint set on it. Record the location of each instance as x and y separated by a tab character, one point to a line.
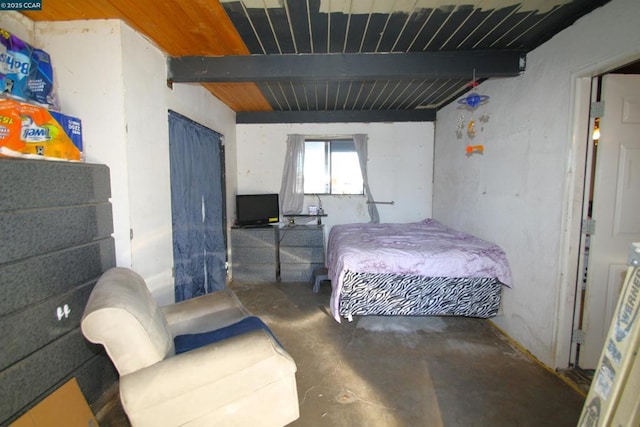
29	126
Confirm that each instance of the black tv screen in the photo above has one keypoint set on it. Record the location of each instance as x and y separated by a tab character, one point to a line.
257	209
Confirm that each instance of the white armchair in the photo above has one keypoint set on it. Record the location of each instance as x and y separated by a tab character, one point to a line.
246	379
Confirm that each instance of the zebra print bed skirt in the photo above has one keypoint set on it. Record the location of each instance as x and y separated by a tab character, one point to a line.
394	295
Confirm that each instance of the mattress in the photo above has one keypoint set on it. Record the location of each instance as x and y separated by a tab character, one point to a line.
419	258
386	294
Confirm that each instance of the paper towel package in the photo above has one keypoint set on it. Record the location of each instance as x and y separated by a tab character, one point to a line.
31	131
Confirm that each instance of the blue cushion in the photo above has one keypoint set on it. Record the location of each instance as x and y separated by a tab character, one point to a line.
189	342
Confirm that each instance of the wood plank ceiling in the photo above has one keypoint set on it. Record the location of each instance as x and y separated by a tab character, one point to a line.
288	42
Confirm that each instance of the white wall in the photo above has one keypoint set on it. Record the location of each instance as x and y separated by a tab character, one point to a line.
517	193
87	61
114	80
147	100
18	25
399	166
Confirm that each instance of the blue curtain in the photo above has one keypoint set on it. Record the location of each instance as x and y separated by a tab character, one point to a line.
197	208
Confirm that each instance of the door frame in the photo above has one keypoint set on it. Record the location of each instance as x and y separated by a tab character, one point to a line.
572	211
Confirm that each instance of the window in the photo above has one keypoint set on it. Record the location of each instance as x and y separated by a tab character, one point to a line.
331	167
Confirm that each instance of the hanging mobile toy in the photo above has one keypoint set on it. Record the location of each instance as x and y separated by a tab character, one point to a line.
471	149
470	102
471	129
461	126
473	100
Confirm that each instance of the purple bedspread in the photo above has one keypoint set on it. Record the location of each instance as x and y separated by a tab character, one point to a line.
425	248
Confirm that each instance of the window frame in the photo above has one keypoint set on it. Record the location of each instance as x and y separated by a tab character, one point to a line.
328	164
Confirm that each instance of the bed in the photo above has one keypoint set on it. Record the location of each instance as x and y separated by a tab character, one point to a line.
420	268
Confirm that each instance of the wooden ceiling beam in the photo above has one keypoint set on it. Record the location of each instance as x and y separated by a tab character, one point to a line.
345	67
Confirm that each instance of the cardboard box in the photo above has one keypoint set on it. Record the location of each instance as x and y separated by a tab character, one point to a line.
65	407
31	131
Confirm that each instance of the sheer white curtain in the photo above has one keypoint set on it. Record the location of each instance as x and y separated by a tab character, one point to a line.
292	187
360	142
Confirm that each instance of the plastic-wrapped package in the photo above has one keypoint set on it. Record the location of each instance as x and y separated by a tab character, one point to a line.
26	73
31	131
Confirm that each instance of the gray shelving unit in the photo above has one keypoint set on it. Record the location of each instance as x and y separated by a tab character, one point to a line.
254	254
288	254
301	252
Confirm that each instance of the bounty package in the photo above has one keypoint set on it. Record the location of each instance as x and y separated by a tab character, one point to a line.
31	131
25	72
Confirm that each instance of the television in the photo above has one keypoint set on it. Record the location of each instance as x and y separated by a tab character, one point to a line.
255	210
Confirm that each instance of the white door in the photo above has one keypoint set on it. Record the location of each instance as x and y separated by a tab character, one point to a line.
616	203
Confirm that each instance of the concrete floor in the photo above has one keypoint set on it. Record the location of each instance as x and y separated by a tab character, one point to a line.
402	371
